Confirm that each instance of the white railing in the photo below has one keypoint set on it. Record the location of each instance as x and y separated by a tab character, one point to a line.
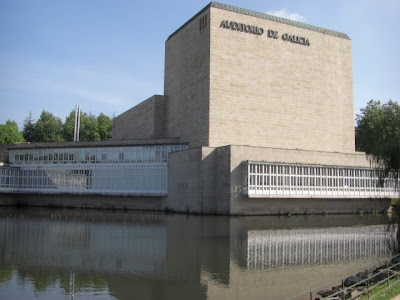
9	179
149	179
124	170
263	179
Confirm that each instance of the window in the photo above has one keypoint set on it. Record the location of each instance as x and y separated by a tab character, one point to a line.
121	155
203	22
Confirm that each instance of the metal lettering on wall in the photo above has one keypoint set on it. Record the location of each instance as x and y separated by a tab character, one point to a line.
242	27
273	34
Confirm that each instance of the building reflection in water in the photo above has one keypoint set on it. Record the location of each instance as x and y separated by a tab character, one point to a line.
277	248
132	248
157	256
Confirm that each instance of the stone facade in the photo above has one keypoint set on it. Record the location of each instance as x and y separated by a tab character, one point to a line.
146	120
273	93
187	81
232	87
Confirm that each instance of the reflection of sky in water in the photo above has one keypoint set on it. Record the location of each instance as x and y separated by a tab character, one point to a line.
156	256
278	248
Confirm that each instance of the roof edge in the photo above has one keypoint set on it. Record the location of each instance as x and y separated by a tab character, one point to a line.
263	16
190	20
96	144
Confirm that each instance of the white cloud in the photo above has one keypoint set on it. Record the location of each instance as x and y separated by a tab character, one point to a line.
283	13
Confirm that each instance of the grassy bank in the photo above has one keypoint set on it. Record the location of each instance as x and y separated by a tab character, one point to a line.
379	294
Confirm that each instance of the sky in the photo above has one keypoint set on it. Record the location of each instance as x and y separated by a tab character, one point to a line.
107	56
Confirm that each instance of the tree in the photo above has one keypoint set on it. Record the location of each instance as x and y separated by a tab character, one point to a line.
51	129
378	134
48	128
89	129
105	127
9	133
92	128
69	126
29	128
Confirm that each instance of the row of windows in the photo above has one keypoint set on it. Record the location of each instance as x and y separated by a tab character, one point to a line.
95	155
318	171
262	176
260	180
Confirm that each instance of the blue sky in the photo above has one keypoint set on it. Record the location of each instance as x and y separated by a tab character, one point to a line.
108	56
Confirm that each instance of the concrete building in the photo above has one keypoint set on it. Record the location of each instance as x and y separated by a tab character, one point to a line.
245	86
265	107
232	77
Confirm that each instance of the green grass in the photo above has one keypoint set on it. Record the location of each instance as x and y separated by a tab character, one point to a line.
390	293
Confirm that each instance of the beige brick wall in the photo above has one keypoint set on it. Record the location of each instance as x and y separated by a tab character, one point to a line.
186	82
160	117
268	92
293	156
226	87
192	182
144	121
184	188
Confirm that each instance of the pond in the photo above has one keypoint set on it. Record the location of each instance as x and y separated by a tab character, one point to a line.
87	254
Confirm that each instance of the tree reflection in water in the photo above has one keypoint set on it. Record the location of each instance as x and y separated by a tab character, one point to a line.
393	228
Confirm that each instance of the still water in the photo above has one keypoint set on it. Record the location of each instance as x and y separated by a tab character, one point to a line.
84	254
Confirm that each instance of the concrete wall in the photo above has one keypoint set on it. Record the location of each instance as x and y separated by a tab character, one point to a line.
262	206
144	121
186	82
193	182
184	188
211	180
271	93
160	116
83	201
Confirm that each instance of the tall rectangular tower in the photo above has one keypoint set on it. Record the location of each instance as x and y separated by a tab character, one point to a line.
238	77
187	80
